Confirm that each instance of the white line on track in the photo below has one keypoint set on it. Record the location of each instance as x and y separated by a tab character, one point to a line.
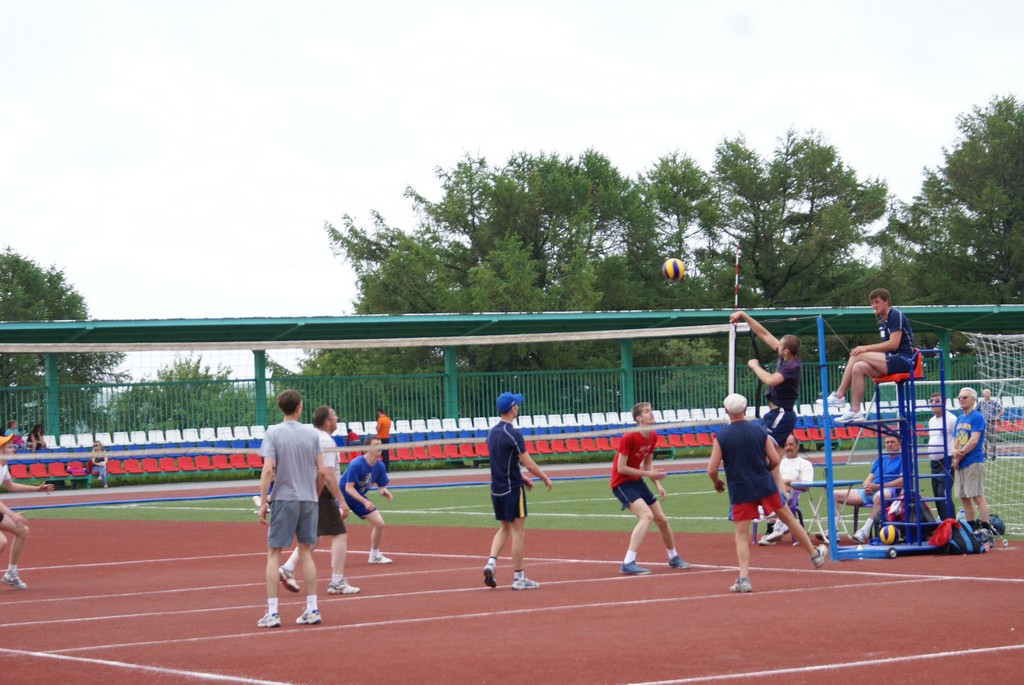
887	661
198	675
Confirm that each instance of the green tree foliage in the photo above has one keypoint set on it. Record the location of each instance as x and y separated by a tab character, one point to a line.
798	219
29	292
961	241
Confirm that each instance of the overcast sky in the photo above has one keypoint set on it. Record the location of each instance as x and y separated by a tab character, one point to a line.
179	158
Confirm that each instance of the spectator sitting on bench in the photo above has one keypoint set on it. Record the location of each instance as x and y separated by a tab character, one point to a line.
35	440
792	469
886	472
98	463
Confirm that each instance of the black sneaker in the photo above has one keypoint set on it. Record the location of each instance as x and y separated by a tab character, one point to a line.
489	580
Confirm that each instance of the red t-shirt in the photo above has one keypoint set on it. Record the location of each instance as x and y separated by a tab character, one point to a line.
636	447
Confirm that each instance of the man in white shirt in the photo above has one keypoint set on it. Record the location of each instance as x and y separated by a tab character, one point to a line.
940	446
792	469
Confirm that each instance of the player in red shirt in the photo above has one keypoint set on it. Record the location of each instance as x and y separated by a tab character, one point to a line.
633	462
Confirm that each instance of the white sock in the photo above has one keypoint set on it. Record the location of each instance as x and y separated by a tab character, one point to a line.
374	552
516	575
672	554
630	557
337	578
492	562
13	568
271	605
311	603
867	526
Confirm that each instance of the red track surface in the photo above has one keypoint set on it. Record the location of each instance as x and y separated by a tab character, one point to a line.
112	602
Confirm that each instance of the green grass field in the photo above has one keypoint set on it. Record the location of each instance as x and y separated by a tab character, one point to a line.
573	504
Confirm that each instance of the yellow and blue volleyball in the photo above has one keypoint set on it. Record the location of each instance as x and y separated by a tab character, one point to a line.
889	535
672	269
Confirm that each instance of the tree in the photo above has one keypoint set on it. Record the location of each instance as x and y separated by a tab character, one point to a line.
29	292
968	219
797	217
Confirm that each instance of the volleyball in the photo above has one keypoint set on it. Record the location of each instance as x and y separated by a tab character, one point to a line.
672	269
889	534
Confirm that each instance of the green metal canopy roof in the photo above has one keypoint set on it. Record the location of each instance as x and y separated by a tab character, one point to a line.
456	329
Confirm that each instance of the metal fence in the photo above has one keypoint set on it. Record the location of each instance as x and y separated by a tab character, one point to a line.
110	408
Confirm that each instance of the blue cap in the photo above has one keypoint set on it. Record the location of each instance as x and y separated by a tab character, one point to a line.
506	401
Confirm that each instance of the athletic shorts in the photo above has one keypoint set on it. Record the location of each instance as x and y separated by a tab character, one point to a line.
896	363
970	481
632	490
291	519
747	511
867	499
329	521
510	506
780	423
357	506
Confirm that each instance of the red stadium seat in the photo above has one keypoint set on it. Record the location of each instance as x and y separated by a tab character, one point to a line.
151	465
466	450
186	464
480	450
56	469
588	445
220	462
168	465
434	452
675	439
604	445
115	467
37	469
451	451
403	454
690	440
132	466
19	471
254	461
705	439
558	446
573	445
542	446
203	463
238	462
419	452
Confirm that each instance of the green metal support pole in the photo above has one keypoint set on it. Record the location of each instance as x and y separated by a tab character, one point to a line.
259	358
52	419
628	396
451	383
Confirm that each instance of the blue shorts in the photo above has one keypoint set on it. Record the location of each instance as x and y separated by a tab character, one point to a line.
631	491
510	506
357	507
292	519
897	363
780	423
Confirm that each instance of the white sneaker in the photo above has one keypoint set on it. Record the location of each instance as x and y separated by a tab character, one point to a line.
287	579
833	400
342	588
309	618
850	417
859	536
11	578
525	583
269	620
378	559
769	539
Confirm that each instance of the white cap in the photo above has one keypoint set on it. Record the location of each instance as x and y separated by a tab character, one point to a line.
735	404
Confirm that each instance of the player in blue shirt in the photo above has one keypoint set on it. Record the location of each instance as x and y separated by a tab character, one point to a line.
893	355
363	473
507	451
886	472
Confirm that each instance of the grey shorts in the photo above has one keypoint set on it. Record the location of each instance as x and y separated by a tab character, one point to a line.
292	519
970	482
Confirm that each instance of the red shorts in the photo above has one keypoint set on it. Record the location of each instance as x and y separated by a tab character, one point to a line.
747	511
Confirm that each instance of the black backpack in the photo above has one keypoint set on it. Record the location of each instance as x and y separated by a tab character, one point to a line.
962	540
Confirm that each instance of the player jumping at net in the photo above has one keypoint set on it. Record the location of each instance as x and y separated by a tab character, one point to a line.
633	462
750	457
509	484
893	355
783	384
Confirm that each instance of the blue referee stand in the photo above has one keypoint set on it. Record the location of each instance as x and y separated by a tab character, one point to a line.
902	422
